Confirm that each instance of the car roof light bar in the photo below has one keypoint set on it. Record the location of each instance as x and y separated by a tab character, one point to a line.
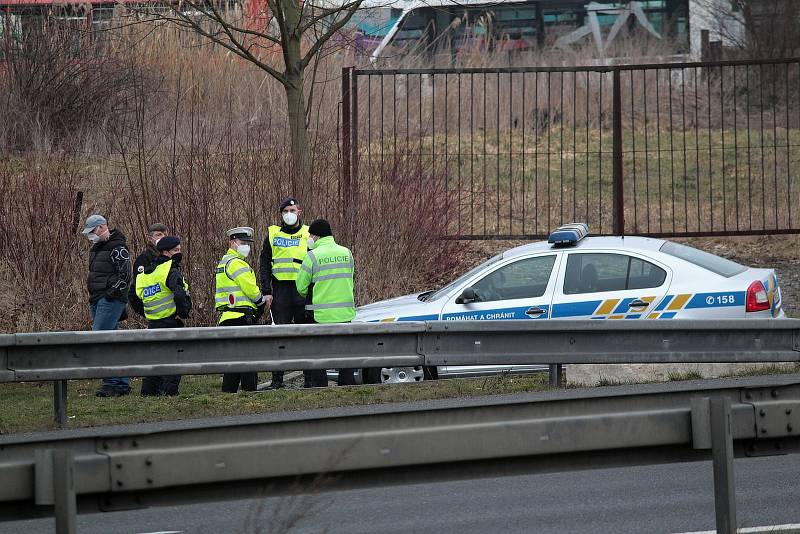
568	235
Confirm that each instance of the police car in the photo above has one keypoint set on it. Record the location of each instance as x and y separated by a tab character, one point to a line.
572	276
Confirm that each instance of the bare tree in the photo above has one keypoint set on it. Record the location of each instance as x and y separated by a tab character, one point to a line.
296	30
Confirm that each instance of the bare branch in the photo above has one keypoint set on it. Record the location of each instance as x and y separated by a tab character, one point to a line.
228	41
326	13
335	27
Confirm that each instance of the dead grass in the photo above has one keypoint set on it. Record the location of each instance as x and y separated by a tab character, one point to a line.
28	407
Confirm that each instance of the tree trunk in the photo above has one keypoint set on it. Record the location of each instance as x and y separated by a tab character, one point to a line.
295	99
298	134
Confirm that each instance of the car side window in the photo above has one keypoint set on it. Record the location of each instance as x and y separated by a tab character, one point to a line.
522	279
594	273
643	274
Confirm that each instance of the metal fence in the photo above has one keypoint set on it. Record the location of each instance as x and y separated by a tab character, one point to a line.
679	149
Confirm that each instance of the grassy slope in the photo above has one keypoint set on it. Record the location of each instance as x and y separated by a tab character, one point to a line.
28	406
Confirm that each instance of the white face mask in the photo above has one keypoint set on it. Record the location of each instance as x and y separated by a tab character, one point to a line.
310	242
94	238
244	250
290	218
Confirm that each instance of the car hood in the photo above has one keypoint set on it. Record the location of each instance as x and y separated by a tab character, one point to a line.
407	307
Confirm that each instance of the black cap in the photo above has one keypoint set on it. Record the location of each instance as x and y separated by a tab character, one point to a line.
291	201
168	243
320	228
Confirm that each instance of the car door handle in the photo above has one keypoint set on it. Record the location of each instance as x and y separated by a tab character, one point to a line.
536	310
638	303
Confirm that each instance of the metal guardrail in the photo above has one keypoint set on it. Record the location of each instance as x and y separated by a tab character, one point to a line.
121	468
62	356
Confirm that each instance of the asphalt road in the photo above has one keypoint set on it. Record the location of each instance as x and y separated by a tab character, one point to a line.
659	499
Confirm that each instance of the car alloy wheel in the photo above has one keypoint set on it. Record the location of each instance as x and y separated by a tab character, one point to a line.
399	375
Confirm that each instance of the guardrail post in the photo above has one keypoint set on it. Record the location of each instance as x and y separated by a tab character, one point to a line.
722	454
54	485
60	401
556	375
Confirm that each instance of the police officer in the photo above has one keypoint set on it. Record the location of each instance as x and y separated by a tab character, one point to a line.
284	248
150	254
238	297
326	279
163	295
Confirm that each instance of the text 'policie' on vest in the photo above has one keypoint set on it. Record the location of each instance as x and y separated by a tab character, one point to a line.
329	268
288	251
236	292
152	290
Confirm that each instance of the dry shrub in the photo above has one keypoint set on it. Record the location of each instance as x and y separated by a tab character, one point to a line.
60	87
42	264
393	234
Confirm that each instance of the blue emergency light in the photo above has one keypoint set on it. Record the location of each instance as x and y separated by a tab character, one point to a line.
568	235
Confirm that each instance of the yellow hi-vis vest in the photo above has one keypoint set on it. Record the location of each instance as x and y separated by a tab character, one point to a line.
157	298
235	289
288	251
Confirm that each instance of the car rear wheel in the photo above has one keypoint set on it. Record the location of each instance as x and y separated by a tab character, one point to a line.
398	375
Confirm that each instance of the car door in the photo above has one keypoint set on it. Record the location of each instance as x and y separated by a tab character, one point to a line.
607	284
520	288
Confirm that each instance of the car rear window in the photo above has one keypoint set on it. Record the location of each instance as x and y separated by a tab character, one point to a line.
715	264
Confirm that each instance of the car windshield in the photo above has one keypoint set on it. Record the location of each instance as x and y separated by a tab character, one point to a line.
715	264
458	281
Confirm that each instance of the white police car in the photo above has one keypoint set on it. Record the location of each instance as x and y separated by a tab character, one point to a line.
572	276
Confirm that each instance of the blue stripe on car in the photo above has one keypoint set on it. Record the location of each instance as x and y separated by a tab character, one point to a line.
664	303
497	314
622	307
575	309
716	300
431	317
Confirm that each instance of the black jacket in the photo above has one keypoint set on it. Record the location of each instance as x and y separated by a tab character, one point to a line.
144	260
183	300
109	269
265	278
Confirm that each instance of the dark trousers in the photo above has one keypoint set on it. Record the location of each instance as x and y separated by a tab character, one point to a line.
288	307
166	384
319	377
249	380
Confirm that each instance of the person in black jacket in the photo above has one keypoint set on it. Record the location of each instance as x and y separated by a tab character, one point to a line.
163	295
285	246
108	281
154	232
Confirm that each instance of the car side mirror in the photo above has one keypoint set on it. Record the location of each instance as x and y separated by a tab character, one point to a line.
467	296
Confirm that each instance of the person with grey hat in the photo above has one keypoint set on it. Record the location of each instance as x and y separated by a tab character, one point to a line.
238	297
285	246
107	282
154	232
163	293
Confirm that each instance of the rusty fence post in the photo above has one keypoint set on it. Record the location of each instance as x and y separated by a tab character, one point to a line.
344	186
618	208
352	200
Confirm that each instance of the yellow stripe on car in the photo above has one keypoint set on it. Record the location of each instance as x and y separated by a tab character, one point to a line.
606	307
679	302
